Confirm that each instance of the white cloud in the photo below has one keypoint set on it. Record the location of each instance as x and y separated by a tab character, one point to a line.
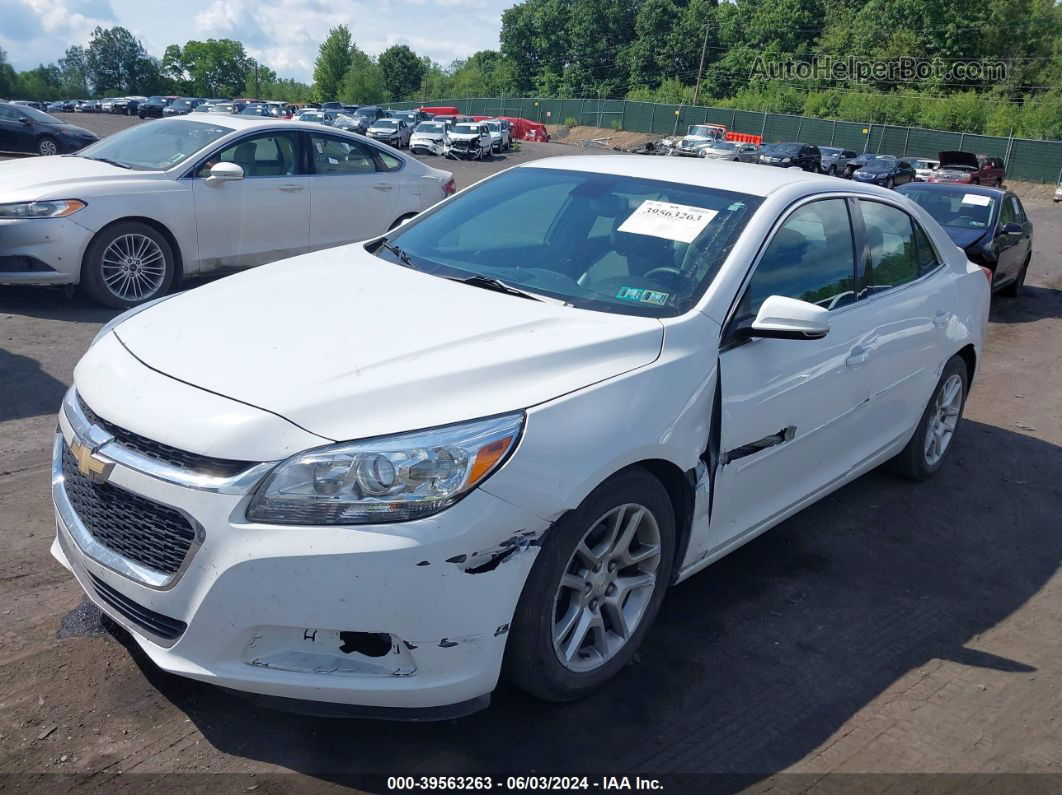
39	31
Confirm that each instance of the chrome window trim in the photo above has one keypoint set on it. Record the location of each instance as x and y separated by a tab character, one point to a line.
93	549
101	440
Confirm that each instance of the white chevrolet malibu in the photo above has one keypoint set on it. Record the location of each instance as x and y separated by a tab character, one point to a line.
380	475
131	215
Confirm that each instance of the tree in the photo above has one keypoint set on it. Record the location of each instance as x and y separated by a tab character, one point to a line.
42	83
402	71
215	67
332	64
117	61
73	73
8	76
363	84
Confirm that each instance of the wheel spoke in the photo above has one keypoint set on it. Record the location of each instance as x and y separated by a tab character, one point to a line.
578	634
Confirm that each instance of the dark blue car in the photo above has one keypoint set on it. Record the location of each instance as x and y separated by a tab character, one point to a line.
26	129
885	172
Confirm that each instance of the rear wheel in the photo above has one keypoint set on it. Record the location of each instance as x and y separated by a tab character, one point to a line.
998	183
46	146
594	590
932	441
127	264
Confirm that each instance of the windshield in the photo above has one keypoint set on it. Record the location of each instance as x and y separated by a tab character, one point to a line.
467	129
493	126
829	151
431	127
596	241
705	132
389	124
724	146
957	209
37	115
782	149
157	146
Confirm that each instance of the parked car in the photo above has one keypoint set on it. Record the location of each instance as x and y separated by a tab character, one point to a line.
112	104
988	224
501	134
153	107
29	104
132	105
834	159
365	116
698	137
344	122
731	150
59	106
885	172
468	141
965	167
410	117
87	106
325	117
429	137
861	160
790	154
181	106
394	132
216	107
924	168
26	129
332	106
195	194
594	418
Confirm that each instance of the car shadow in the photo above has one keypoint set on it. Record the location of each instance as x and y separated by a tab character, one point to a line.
53	303
25	389
1034	303
753	663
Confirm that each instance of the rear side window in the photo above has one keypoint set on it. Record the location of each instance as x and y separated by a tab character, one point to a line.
340	156
892	254
811	257
927	256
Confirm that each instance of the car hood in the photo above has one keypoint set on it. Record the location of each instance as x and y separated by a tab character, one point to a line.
964	238
36	177
348	346
75	130
951	159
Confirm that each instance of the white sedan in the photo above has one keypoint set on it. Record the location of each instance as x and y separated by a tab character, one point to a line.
129	216
372	474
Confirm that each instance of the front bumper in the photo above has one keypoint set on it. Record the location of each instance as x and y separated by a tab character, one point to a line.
272	610
50	248
420	145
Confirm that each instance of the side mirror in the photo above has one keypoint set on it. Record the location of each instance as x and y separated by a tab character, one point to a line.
224	172
789	319
24	119
1012	229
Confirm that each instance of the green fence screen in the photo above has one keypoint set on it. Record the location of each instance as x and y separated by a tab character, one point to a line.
1037	161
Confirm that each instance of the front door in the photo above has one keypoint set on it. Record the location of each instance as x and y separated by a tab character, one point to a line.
261	218
15	136
790	408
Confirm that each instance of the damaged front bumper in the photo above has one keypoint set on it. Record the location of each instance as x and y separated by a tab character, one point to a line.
407	617
426	146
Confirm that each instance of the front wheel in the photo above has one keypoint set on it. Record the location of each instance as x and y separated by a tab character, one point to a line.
594	590
47	146
127	264
890	183
832	171
932	441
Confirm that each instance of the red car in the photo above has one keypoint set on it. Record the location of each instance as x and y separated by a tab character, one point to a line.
964	167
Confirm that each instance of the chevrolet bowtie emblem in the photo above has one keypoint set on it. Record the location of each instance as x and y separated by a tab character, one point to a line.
95	469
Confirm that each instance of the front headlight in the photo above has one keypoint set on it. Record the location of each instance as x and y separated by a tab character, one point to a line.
388	479
786	159
46	209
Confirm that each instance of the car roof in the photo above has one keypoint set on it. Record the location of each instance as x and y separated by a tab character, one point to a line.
738	177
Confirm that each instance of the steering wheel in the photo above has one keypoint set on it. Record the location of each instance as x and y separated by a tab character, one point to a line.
971	223
673	273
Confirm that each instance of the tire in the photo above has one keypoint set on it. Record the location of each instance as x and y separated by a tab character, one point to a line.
890	183
532	661
832	171
998	183
134	245
46	146
914	461
1017	287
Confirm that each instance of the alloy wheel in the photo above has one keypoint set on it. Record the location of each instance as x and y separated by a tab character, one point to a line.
133	267
942	422
47	147
606	587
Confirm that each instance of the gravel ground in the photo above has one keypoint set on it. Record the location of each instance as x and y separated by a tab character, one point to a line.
892	628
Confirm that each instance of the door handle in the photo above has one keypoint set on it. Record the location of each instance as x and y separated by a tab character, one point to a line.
291	188
940	319
383	186
857	356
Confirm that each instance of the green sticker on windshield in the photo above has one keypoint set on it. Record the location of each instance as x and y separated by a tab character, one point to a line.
642	296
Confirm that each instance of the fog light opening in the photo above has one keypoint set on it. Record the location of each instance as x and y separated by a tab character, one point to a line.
370	644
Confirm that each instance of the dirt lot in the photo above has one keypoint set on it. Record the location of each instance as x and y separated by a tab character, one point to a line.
890	629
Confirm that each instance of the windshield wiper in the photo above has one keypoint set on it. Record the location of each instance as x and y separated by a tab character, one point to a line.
108	161
403	257
488	283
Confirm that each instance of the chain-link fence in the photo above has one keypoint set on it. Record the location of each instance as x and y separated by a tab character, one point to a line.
1038	161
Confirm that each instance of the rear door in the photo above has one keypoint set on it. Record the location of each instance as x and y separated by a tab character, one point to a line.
261	218
353	195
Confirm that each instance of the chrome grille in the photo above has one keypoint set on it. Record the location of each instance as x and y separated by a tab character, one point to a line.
132	526
217	467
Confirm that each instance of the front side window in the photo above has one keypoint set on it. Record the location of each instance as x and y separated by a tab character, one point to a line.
268	155
156	146
597	241
811	258
340	156
892	255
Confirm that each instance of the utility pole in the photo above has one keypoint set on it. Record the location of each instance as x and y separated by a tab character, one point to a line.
700	69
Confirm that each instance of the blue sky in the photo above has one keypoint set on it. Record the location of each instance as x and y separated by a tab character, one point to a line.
284	34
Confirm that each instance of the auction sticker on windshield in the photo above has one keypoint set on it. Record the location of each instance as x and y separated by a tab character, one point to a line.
973	198
670	221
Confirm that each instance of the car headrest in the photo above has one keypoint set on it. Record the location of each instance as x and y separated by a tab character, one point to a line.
245	153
